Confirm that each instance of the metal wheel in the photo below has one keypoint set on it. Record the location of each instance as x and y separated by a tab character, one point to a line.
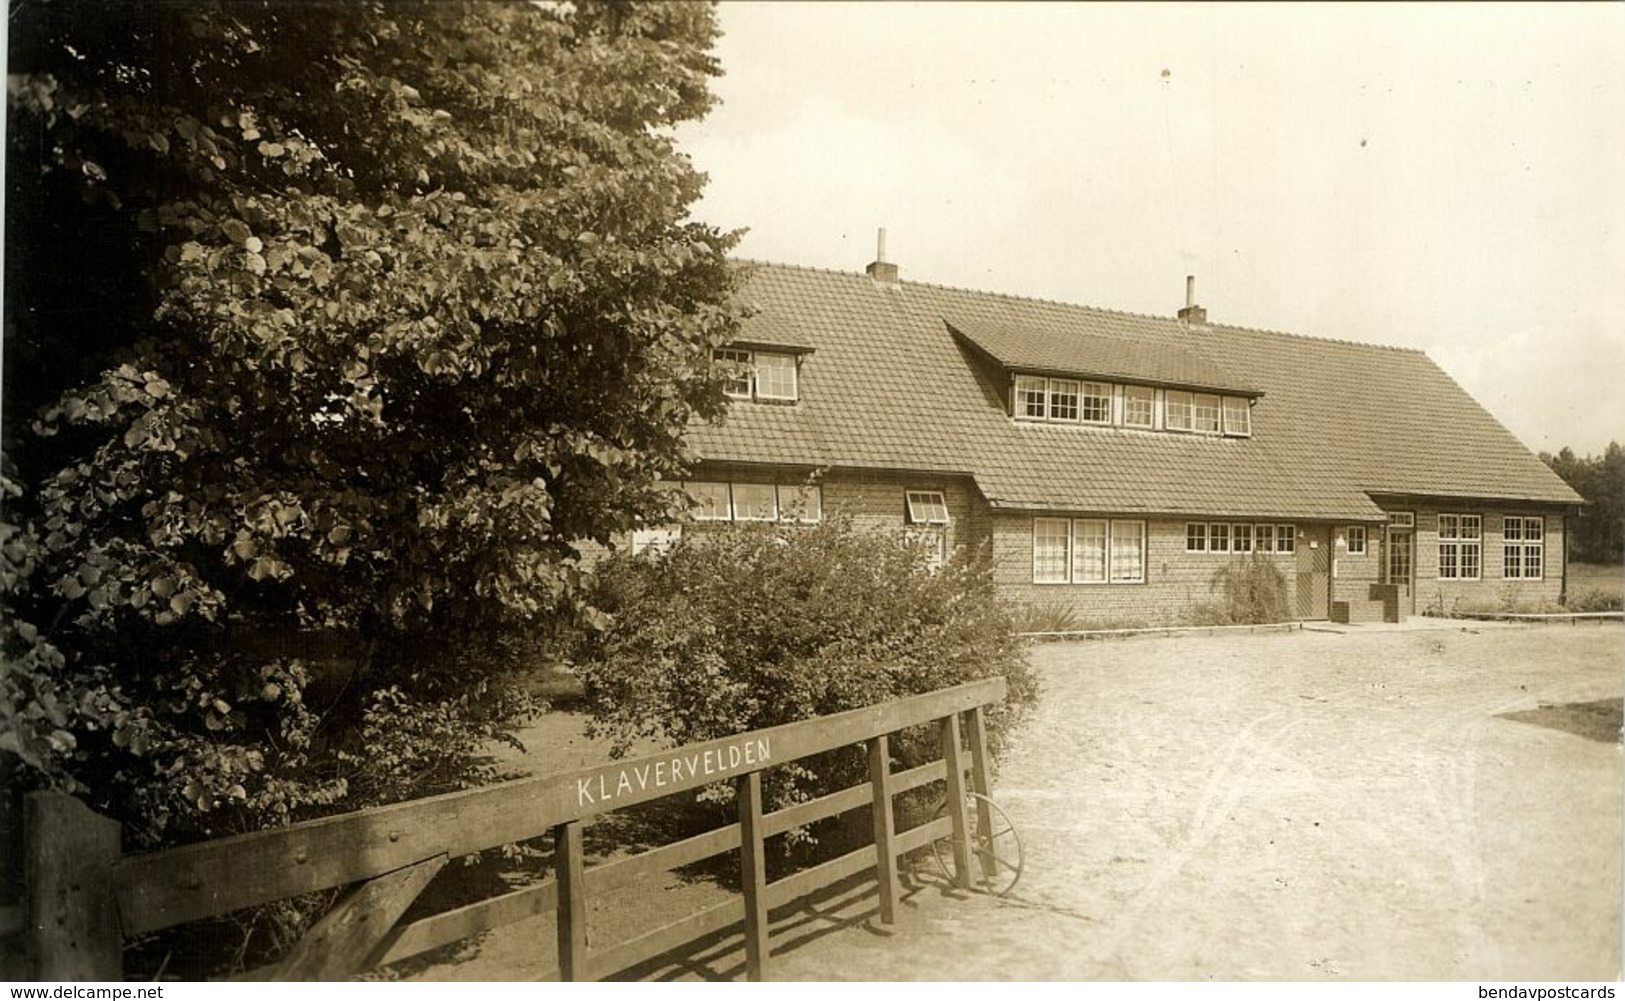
995	847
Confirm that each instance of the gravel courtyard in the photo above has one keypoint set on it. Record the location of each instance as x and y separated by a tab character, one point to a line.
1300	806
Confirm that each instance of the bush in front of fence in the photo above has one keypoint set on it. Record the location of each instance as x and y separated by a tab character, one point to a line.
758	625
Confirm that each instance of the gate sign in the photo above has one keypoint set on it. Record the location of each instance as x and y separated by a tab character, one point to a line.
604	785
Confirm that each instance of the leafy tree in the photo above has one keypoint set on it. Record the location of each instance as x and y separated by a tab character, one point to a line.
1599	530
330	330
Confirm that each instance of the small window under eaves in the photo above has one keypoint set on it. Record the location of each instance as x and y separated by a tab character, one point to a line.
927	507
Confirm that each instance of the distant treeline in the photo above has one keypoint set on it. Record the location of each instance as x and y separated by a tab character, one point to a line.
1599	531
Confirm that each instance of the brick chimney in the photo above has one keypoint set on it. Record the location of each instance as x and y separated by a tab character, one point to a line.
1192	315
878	269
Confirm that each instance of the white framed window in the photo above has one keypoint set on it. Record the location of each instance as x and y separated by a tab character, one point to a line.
775	376
1196	537
1286	538
1096	407
738	385
1460	546
1206	414
1128	552
1401	519
655	540
765	375
1063	400
1523	548
1264	538
1138	404
926	507
804	503
1178	410
1052	540
1089	551
1032	395
1356	540
1218	538
712	501
755	502
1241	538
933	541
1238	417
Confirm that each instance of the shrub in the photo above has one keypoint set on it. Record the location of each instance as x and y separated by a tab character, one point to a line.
755	626
1596	600
1045	619
1251	591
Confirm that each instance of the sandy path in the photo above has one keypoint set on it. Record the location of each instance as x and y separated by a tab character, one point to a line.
1303	806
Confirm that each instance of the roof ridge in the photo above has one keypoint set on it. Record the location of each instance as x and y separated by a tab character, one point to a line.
1083	305
1320	337
963	288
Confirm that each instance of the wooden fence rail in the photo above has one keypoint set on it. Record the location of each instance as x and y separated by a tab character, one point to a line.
83	896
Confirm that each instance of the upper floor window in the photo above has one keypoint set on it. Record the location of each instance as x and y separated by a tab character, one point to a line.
762	375
1178	410
1032	397
1063	400
1080	401
1207	413
1237	416
1138	404
1097	403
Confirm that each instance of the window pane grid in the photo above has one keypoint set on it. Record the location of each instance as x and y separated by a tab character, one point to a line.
1097	403
1356	540
1286	538
1030	397
1206	413
775	376
1128	552
1137	406
1196	538
1523	548
927	507
1218	538
1063	400
1237	416
1178	407
1088	552
1050	550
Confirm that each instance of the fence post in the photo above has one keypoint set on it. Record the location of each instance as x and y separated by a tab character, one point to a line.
753	874
71	911
954	756
979	783
885	850
570	871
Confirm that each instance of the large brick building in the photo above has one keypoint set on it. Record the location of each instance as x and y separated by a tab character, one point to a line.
1115	461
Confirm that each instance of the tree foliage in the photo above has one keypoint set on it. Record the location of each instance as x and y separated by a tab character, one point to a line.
1599	529
330	329
753	626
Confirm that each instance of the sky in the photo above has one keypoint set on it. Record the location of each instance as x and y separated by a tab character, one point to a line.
1449	178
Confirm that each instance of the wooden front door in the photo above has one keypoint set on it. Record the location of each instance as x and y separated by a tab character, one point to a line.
1399	567
1314	553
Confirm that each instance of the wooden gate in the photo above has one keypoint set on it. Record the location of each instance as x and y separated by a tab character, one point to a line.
83	896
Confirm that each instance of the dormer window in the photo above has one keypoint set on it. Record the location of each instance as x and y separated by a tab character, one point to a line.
1139	402
1238	417
765	375
1097	403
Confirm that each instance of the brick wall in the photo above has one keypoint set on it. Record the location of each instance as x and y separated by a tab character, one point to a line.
1492	588
1176	582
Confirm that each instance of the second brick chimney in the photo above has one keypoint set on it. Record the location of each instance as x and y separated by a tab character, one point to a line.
1192	315
878	269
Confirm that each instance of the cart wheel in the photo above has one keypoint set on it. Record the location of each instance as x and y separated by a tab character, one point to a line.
995	849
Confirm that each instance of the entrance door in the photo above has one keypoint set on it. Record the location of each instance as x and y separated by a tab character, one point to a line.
1400	567
1314	553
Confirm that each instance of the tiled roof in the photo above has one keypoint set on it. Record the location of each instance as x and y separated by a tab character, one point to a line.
1102	345
891	387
